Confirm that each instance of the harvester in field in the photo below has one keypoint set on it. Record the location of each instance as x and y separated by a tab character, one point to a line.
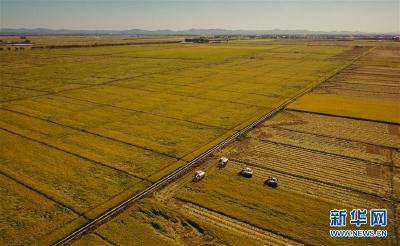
246	172
271	182
222	162
198	175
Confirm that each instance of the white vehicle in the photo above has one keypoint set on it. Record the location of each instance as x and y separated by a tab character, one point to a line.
198	175
247	172
222	162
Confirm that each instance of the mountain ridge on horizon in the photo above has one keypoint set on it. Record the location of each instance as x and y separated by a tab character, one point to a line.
191	31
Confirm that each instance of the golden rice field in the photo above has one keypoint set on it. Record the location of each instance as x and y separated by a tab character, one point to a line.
369	89
323	159
316	172
82	129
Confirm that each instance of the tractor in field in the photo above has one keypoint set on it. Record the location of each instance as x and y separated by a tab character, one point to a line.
222	162
198	175
271	182
246	172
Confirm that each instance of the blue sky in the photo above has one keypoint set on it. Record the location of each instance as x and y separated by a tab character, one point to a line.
318	15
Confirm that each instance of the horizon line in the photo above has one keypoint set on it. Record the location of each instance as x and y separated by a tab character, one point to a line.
188	29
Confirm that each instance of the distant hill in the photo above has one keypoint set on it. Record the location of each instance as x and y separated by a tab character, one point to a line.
44	31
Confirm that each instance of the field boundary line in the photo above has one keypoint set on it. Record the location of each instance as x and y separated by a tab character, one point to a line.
73	154
327	136
337	85
192	96
118	79
196	161
104	238
92	85
356	82
23	88
89	132
377	74
46	196
343	116
143	112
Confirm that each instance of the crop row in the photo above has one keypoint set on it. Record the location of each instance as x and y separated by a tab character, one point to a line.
359	175
310	187
100	150
276	210
234	225
337	127
325	144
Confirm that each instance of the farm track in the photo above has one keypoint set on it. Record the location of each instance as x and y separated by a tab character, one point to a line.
184	169
234	225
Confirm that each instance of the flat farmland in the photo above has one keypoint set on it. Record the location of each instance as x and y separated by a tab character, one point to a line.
324	159
227	208
60	40
371	82
83	129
